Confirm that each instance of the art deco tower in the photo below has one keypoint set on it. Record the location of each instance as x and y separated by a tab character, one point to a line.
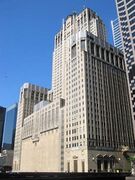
74	24
90	75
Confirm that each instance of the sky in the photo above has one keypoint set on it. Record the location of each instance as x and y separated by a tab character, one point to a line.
27	30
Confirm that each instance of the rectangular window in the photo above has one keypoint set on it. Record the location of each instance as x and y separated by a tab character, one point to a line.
121	66
68	166
116	61
84	16
97	51
107	56
112	60
73	51
83	166
75	166
102	54
92	48
82	45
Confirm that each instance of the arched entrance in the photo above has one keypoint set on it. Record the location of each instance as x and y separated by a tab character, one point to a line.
105	163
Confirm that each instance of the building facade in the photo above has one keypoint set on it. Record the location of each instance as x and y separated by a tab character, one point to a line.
29	96
93	74
9	127
42	138
126	16
90	75
116	34
2	120
96	123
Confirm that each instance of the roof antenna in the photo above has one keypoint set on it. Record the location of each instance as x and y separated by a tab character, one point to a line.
84	5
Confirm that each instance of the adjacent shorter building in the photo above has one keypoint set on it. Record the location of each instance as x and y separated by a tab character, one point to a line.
29	96
2	120
43	138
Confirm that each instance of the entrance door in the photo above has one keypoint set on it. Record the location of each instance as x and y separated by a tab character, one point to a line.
75	166
68	166
83	166
99	165
105	165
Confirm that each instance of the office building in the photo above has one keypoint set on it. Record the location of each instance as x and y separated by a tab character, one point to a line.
6	158
116	34
89	74
126	17
93	74
29	96
2	120
9	127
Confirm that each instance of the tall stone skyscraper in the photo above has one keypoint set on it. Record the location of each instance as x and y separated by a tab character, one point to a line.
29	96
90	75
126	16
74	24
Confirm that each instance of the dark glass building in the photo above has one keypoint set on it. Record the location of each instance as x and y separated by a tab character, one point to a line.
126	17
2	119
9	127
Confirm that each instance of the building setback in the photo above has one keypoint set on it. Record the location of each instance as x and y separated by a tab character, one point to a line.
126	17
89	74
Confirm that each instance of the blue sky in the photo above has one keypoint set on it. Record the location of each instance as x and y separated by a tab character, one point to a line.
27	29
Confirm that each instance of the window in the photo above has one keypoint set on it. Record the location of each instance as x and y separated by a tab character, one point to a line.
102	54
92	48
82	45
84	16
121	63
83	166
73	51
112	60
116	61
68	166
107	56
81	20
97	51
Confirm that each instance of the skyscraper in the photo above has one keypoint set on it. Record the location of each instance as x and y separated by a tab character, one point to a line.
6	158
9	128
90	75
2	120
29	96
74	24
116	34
126	17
